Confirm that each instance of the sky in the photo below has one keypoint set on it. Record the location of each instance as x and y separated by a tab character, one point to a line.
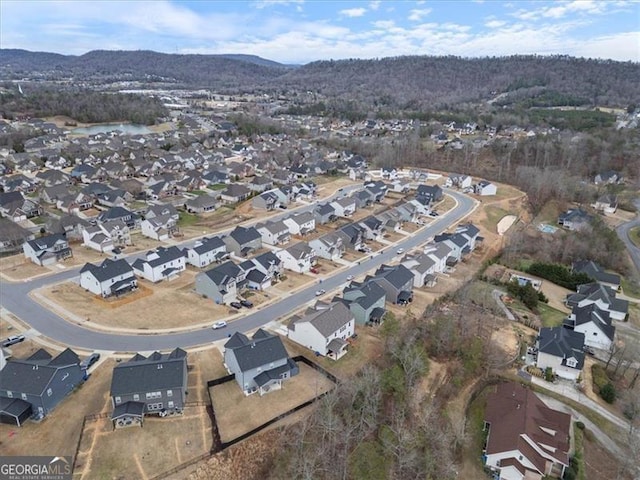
301	31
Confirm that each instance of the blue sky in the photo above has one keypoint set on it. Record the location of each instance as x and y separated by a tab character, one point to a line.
299	31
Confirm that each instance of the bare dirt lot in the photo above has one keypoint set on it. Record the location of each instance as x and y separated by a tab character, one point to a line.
292	281
134	452
237	414
58	433
16	268
171	304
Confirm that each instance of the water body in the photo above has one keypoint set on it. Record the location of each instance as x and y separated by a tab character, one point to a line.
126	128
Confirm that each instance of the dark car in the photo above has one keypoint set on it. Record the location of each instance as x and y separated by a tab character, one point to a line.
246	303
90	360
12	340
236	305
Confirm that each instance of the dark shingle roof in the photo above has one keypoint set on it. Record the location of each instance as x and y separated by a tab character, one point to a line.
33	374
107	269
157	372
562	342
262	349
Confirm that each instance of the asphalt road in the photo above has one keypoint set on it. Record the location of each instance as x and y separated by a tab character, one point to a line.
623	233
15	298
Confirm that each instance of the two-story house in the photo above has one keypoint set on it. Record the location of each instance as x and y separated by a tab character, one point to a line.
397	282
562	350
156	384
159	228
594	323
329	246
300	223
47	250
274	233
206	251
366	302
160	264
344	207
221	283
298	258
241	241
111	277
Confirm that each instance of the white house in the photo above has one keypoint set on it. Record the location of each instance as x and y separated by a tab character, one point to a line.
274	233
159	228
595	324
324	329
97	238
484	188
111	277
344	207
206	251
562	350
300	224
298	258
161	263
329	246
47	250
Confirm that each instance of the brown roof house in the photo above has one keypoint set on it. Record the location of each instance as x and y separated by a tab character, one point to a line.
526	439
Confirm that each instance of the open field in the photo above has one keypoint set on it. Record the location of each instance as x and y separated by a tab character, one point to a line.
134	452
494	215
170	304
237	414
16	268
59	432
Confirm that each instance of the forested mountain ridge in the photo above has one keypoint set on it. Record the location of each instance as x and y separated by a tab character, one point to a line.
410	82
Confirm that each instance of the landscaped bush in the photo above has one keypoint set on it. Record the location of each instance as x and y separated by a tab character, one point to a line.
548	374
608	393
580	425
599	375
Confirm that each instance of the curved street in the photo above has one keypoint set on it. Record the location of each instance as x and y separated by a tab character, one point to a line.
15	298
623	232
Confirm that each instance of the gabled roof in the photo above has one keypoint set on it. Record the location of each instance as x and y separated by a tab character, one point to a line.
261	350
108	269
562	342
591	313
244	235
208	244
397	275
364	294
48	241
325	319
596	272
325	209
300	250
156	373
223	273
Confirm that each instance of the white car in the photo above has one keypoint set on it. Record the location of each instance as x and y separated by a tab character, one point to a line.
400	251
219	324
320	292
349	278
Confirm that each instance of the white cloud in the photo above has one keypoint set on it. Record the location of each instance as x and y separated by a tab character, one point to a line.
353	12
417	14
374	5
495	23
270	3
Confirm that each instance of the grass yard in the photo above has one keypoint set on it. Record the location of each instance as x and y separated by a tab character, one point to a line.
16	268
237	414
494	215
217	186
630	288
161	444
550	316
471	465
170	304
187	219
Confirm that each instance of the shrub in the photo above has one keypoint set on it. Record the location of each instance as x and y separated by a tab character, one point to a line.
558	274
548	374
599	375
580	425
608	393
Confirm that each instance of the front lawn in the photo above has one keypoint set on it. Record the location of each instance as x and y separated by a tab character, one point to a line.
550	316
187	219
634	235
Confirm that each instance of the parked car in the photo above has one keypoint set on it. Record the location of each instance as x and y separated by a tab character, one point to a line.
12	340
246	303
219	324
236	305
89	361
314	270
400	251
434	214
349	278
320	292
282	207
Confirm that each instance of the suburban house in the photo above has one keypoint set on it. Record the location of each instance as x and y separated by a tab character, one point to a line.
458	180
162	209
221	283
206	251
71	226
562	350
396	281
366	302
269	264
439	253
471	233
352	236
201	204
234	193
329	246
97	238
458	243
594	323
363	198
604	297
35	385
526	439
608	177
301	223
260	363
13	236
298	258
255	278
324	214
607	204
423	268
119	232
597	273
159	228
156	384
324	329
484	188
574	219
241	241
160	264
274	232
132	220
111	277
47	250
344	207
17	207
372	228
428	194
265	201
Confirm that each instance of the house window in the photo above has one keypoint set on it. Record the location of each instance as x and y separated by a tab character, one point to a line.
118	400
49	392
170	404
152	395
595	334
136	397
9	394
169	393
343	329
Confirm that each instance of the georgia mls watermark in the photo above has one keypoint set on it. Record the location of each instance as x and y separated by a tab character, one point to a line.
35	468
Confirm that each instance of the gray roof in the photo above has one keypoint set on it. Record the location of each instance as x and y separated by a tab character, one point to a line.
32	375
223	273
135	409
326	320
300	250
562	342
244	235
367	293
209	244
48	241
261	350
596	272
11	231
397	275
591	313
107	269
157	372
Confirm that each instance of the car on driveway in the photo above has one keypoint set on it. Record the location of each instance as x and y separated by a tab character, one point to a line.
400	251
320	292
219	324
236	305
314	270
89	361
12	340
246	303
